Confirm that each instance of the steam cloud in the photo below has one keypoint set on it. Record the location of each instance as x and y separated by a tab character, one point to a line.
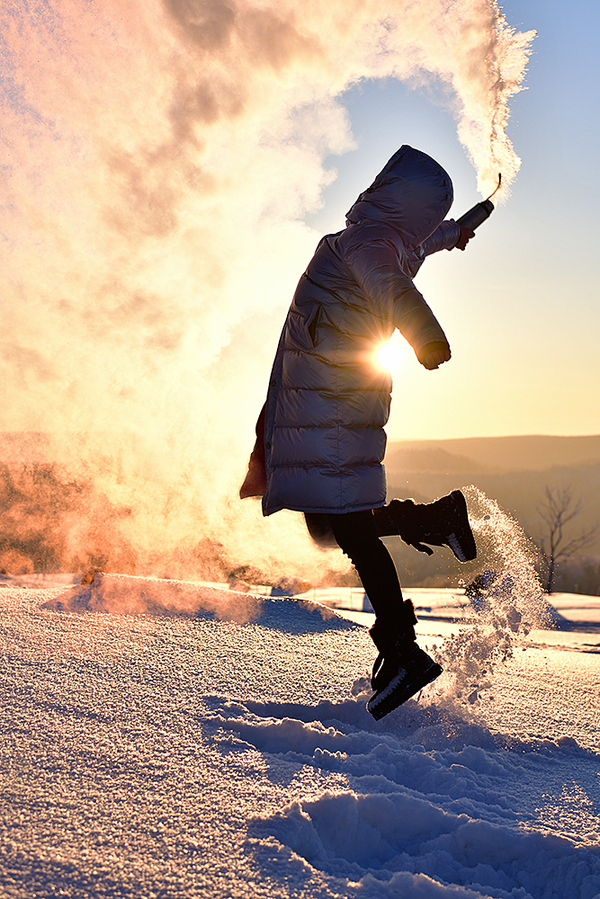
158	160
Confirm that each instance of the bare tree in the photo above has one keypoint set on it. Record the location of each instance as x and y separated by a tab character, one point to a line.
559	509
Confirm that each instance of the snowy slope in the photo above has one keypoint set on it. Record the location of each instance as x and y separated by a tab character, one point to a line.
212	744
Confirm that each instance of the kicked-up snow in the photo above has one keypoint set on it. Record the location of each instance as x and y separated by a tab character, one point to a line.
164	739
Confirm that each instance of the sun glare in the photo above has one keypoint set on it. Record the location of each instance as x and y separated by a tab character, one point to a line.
392	355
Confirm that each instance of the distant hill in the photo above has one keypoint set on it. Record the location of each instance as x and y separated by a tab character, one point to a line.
514	471
498	454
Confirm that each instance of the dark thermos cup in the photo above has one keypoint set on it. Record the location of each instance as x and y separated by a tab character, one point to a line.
476	215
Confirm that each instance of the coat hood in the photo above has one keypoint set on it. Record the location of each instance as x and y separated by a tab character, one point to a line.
412	194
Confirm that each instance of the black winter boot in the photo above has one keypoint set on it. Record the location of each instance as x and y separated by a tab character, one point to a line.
387	639
412	671
402	668
443	522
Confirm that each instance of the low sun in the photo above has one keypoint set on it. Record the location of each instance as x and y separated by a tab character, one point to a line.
392	355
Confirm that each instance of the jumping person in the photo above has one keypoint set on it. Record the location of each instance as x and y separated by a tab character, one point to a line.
320	439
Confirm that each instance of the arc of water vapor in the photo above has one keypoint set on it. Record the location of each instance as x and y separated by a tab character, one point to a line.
159	158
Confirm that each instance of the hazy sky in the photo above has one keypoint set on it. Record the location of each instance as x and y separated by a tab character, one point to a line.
168	167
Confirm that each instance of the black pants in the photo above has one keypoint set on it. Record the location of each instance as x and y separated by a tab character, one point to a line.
356	535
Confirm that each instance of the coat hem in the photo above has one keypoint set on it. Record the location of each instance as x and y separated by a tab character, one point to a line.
320	510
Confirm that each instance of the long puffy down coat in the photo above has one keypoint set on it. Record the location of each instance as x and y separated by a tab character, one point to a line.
328	401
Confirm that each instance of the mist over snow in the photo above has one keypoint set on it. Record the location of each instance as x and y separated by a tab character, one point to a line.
159	158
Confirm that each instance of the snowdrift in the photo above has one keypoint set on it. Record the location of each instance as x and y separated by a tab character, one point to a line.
127	595
188	745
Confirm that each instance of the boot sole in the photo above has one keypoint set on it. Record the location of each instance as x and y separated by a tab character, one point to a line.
463	544
399	691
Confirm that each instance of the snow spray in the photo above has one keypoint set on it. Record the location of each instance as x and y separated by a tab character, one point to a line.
480	212
510	604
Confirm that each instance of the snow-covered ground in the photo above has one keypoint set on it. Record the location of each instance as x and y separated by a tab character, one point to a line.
164	739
